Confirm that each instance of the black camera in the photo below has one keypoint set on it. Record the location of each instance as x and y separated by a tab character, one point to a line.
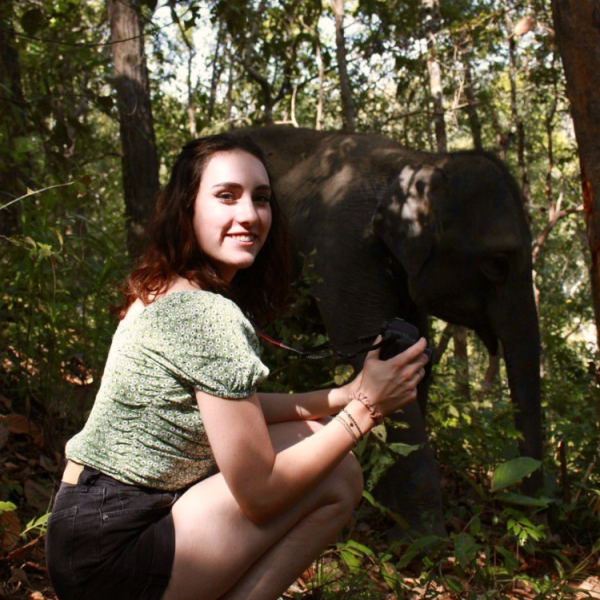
397	337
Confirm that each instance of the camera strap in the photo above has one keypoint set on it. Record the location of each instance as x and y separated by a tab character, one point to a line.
326	350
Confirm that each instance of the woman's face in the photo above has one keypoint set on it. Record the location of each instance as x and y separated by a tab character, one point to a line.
232	211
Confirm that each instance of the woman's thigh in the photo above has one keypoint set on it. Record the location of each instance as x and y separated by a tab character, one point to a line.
215	543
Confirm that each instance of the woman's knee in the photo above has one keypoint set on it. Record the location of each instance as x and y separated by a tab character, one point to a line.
346	483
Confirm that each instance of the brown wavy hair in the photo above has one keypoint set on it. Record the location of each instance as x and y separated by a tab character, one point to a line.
260	290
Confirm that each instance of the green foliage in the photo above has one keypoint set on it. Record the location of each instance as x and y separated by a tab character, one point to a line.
513	471
37	525
63	258
61	275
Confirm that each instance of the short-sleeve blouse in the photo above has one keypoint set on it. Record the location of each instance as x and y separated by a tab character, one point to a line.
145	427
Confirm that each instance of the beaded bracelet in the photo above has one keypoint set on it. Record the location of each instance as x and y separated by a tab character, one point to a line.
353	423
348	429
375	414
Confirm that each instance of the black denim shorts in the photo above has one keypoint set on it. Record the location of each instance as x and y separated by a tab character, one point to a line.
107	540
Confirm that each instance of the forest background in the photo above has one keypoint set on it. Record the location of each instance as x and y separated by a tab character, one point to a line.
76	184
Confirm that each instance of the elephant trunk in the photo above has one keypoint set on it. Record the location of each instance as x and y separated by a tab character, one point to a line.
518	330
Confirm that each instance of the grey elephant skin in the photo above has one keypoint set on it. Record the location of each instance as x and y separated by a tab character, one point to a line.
396	232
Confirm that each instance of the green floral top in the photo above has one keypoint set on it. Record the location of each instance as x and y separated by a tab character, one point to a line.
145	427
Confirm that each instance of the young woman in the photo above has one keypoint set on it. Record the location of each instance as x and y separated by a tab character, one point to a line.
142	512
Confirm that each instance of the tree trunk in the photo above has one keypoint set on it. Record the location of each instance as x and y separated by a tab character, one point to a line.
138	147
461	357
432	26
217	69
190	109
517	118
492	370
501	137
265	86
472	113
12	184
229	95
321	63
348	116
577	25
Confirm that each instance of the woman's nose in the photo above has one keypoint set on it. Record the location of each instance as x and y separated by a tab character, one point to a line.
247	211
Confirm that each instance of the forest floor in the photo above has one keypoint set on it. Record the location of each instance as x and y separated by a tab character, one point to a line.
29	471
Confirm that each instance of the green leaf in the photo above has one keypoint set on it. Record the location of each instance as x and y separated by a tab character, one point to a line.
403	449
511	561
7	507
39	523
419	545
512	498
454	585
352	561
359	548
513	471
465	548
386	511
342	374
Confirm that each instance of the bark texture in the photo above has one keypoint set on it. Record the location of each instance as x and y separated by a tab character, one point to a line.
12	183
253	73
577	26
431	10
217	69
517	118
138	146
348	114
472	113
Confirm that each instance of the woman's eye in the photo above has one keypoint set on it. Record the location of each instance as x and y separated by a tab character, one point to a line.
262	199
226	197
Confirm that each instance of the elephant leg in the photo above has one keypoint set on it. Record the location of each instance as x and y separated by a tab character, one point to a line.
354	306
411	487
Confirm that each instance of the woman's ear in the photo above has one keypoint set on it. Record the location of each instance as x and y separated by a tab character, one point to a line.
404	217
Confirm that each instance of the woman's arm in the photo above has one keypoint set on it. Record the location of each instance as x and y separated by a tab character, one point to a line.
305	406
265	483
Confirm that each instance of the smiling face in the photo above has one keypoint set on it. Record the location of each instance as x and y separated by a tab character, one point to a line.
232	210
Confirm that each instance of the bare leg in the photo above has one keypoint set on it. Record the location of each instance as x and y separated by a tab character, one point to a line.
220	553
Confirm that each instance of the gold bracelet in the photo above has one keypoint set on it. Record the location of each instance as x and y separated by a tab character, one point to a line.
375	414
353	423
348	429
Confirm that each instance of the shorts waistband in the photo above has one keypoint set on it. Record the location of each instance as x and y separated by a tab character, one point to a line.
89	476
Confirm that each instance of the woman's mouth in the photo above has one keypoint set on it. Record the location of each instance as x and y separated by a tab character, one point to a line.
243	237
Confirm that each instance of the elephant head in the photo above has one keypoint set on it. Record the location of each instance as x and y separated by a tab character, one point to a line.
458	228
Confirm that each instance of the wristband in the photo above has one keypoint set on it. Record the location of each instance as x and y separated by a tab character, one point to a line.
375	414
353	423
348	429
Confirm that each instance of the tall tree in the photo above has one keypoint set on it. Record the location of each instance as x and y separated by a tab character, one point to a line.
432	23
217	69
12	173
348	112
138	146
577	26
518	121
186	37
469	91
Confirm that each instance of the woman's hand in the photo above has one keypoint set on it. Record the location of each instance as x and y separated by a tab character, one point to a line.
392	384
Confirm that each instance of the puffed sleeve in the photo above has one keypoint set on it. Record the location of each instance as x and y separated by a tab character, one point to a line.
211	345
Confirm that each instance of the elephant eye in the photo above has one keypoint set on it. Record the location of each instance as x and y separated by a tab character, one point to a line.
495	267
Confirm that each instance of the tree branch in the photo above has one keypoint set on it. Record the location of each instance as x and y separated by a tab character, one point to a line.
543	235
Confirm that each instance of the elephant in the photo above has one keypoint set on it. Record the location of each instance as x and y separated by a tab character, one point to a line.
403	233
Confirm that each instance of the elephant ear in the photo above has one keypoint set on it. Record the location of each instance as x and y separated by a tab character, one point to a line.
404	218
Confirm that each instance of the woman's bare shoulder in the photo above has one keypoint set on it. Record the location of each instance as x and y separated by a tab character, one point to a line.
177	285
